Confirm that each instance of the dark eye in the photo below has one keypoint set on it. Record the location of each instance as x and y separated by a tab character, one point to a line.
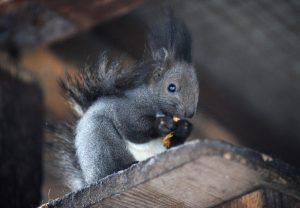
172	88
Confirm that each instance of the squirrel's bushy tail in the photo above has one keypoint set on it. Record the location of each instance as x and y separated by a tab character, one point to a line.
64	153
107	78
104	79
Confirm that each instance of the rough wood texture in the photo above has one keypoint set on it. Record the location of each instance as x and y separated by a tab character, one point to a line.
85	14
251	200
202	173
33	22
262	198
29	24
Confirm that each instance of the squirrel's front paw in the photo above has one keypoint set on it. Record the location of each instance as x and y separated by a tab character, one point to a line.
183	130
165	125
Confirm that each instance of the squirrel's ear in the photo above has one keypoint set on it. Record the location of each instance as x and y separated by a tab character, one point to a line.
161	56
170	35
157	74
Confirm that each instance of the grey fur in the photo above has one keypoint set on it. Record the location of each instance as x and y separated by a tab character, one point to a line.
65	155
121	105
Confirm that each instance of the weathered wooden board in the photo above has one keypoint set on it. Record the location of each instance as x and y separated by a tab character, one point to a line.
201	173
262	198
86	14
32	22
251	200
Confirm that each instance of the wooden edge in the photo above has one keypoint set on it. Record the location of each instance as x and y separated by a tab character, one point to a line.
252	199
274	173
262	198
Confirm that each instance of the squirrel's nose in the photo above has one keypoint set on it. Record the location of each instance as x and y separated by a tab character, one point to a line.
189	113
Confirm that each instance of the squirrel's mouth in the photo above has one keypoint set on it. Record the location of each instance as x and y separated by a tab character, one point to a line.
184	114
175	115
178	111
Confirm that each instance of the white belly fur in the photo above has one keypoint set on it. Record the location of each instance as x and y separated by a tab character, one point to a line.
142	152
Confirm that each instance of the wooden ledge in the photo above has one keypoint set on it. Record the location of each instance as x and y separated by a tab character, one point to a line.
201	173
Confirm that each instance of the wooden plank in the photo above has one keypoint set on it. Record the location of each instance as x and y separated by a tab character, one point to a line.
251	200
32	22
87	14
201	173
262	198
27	24
186	185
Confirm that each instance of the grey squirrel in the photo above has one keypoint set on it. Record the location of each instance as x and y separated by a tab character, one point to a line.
124	112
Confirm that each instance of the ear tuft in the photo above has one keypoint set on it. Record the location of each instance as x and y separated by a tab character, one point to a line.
172	35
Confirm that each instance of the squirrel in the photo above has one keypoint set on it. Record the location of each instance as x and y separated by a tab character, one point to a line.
123	112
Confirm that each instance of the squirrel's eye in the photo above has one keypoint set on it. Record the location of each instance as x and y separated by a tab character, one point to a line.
172	87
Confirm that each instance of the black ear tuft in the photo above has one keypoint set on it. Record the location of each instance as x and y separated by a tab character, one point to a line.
172	34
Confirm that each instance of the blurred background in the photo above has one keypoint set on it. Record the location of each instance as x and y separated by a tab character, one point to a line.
247	54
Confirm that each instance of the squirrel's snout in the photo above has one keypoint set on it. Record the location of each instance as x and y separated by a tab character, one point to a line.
189	113
186	113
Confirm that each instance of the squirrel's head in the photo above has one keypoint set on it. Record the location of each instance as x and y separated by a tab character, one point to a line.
176	86
173	76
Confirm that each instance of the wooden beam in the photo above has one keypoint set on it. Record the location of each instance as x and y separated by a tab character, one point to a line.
262	198
86	14
202	173
31	23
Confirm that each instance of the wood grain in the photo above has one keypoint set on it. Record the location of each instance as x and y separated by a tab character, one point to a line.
251	200
262	198
198	174
196	184
32	23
